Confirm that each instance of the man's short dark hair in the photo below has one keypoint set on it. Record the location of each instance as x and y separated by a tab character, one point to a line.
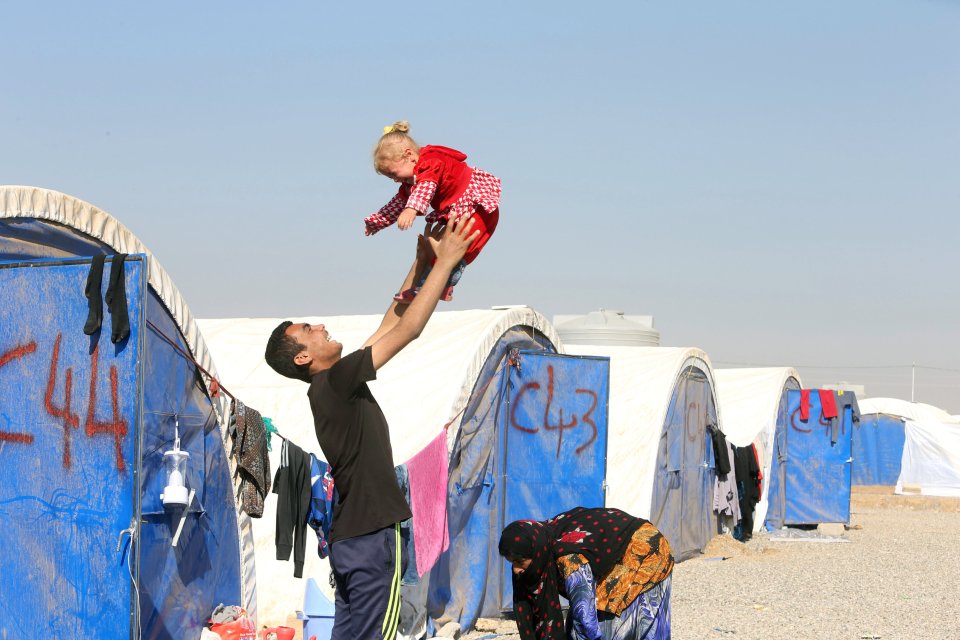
281	350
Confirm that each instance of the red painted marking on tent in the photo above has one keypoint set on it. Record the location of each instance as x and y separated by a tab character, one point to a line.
560	426
118	426
828	426
588	419
69	419
20	438
17	352
6	358
793	422
516	403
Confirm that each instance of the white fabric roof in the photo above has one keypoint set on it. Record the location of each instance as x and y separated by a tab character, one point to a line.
931	458
420	390
44	204
907	410
53	206
642	381
750	402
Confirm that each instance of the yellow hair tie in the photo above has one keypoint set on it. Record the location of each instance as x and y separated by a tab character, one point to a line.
388	129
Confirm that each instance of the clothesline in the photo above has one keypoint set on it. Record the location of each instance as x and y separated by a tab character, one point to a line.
215	385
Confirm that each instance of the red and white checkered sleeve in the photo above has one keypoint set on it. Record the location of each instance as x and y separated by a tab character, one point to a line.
387	215
421	195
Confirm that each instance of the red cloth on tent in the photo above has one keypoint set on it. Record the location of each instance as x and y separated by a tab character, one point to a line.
804	404
828	403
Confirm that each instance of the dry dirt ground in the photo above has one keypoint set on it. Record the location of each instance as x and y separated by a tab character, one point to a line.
896	577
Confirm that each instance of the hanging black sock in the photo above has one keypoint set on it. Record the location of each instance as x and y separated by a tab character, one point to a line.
94	302
116	299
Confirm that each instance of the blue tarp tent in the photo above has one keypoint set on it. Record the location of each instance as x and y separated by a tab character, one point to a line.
877	449
878	438
84	423
532	443
810	474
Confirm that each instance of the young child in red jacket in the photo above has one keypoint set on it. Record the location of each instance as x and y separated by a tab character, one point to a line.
437	177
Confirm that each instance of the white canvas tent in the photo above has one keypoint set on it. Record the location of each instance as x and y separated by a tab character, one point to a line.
905	410
422	389
931	458
752	402
659	461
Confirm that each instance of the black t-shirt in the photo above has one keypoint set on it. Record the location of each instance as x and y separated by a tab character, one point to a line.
353	435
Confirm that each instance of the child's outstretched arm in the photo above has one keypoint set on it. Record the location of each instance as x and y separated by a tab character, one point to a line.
417	204
387	215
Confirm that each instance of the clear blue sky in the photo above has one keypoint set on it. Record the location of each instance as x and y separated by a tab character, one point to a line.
777	183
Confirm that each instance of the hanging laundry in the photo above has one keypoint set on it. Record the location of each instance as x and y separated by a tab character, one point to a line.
92	292
844	400
428	502
804	404
116	299
293	489
410	575
828	403
747	470
726	498
719	442
323	495
253	465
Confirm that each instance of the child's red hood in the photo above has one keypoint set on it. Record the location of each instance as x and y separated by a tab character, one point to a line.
459	156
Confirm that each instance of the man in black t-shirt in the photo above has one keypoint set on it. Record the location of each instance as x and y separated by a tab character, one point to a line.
365	553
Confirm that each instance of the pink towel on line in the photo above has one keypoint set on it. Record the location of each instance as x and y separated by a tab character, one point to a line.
428	502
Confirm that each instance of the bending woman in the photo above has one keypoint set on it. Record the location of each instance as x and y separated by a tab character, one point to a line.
613	568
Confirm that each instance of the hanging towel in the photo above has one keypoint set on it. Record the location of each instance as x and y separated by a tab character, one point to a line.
428	502
804	404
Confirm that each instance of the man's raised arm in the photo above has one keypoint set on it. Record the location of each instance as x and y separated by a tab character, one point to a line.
401	326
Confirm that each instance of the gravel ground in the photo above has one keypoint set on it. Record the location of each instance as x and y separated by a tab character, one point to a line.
898	578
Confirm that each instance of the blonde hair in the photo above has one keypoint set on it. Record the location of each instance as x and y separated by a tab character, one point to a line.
394	140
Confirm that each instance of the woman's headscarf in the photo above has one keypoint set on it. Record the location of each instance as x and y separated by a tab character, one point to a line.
600	535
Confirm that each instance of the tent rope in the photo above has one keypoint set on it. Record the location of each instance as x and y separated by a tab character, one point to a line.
215	385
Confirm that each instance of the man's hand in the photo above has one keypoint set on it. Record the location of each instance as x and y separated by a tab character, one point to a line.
406	219
453	244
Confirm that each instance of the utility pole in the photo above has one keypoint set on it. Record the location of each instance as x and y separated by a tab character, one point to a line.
913	381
